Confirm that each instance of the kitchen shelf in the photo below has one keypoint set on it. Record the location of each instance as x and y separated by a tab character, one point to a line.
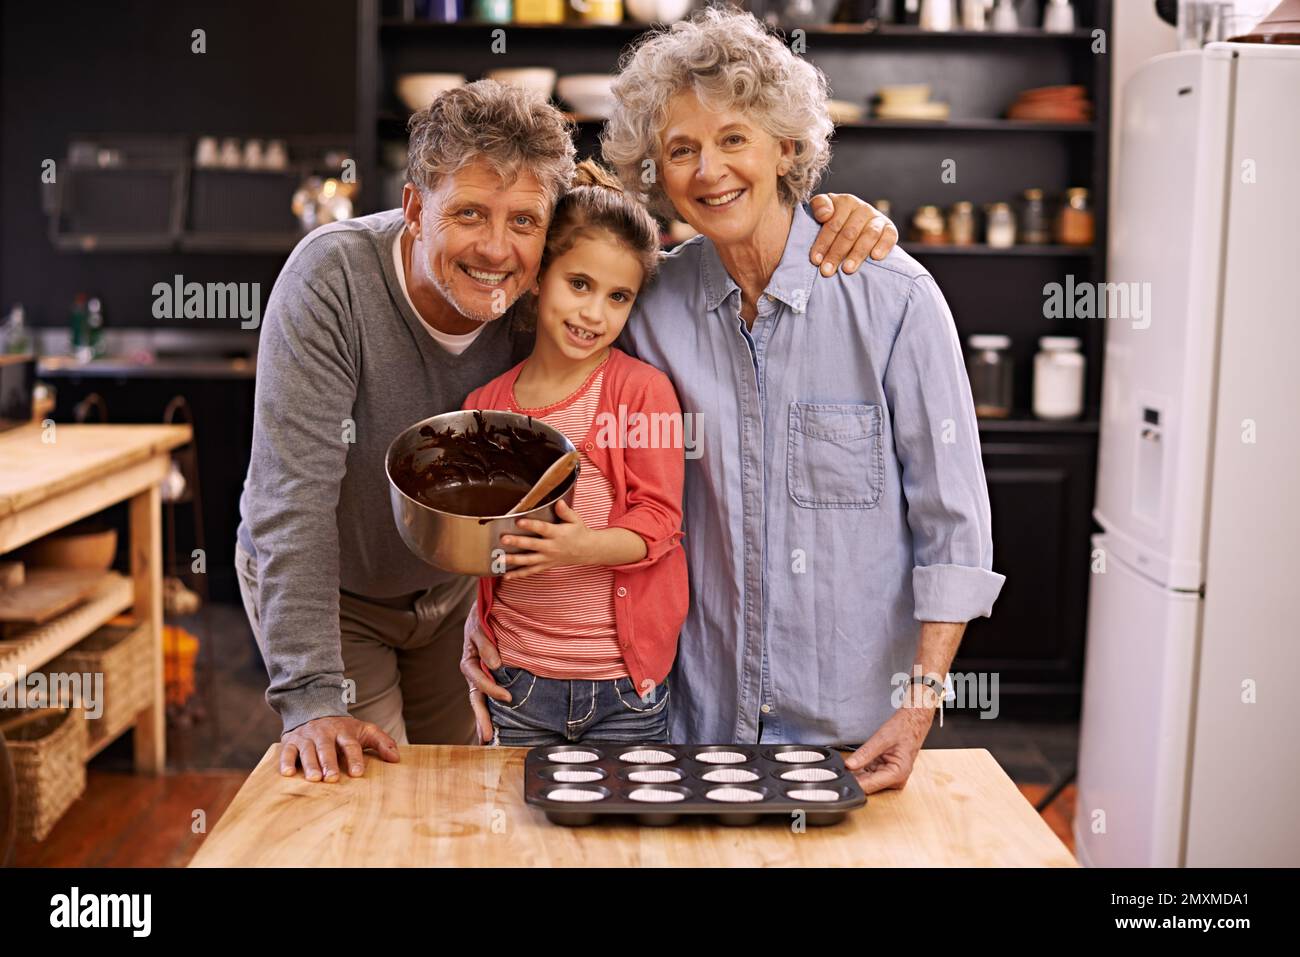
239	242
852	31
394	123
968	126
1026	423
981	249
31	648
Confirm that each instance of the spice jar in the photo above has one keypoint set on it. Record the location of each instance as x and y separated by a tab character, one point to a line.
1075	222
1035	229
1058	378
989	367
961	224
539	11
884	207
601	11
493	11
928	226
1000	229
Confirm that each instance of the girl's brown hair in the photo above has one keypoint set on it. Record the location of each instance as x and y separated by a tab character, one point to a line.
595	202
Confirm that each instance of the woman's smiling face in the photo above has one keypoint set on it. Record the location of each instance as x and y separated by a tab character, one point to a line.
720	169
586	296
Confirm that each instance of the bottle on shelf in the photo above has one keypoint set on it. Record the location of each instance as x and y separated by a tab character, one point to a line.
539	11
493	11
1000	226
1058	16
989	366
974	15
928	226
80	333
937	15
600	11
1035	227
1058	378
14	334
961	224
1075	223
95	339
1005	18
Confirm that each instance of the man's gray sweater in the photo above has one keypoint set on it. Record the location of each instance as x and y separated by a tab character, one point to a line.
344	364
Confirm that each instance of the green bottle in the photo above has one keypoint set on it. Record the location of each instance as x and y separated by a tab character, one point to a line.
95	329
80	332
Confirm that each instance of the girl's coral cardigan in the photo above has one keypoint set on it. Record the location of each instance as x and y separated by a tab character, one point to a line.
650	596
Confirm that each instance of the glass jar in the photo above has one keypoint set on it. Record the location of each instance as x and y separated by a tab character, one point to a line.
989	366
884	207
1035	228
493	11
961	224
928	226
1058	378
539	11
1075	222
601	11
1000	228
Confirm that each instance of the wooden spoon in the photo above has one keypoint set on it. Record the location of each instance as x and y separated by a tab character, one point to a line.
552	477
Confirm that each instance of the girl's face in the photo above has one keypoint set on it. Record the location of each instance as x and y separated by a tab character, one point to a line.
585	296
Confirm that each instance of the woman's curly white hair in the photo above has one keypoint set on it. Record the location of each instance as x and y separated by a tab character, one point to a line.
731	63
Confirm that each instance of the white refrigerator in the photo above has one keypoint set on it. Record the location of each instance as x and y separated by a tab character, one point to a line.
1189	750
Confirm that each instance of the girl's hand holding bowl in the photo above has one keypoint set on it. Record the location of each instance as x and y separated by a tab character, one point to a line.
565	542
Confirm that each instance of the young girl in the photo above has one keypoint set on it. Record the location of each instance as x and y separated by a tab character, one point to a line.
586	618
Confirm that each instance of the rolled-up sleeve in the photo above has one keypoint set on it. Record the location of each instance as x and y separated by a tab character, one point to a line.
937	441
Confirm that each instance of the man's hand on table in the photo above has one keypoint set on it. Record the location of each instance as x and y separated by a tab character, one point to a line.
479	651
886	760
317	744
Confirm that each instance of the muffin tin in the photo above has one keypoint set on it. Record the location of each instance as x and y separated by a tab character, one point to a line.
657	784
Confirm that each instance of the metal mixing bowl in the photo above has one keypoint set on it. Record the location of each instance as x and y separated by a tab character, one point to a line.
463	543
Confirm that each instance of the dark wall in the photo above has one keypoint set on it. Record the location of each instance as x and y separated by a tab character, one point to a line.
273	68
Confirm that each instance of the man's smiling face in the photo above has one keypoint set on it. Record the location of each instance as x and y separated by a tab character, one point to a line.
478	241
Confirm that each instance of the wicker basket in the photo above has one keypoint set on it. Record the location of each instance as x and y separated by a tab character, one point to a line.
49	760
121	653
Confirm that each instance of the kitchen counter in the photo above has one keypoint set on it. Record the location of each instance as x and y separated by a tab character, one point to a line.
462	806
56	367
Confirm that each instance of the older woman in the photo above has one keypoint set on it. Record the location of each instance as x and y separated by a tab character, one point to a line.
837	521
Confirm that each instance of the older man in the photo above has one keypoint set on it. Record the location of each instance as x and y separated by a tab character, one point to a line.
374	324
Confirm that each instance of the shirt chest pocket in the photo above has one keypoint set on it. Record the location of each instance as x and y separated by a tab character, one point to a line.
835	457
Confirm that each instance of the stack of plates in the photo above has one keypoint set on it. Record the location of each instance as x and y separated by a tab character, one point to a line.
1052	104
909	102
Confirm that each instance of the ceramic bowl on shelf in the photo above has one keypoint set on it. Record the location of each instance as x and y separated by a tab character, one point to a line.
588	93
657	11
417	90
539	79
844	111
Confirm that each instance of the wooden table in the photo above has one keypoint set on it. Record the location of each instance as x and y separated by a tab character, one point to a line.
464	807
52	475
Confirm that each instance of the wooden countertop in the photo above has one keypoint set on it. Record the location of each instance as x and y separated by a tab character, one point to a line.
33	470
464	807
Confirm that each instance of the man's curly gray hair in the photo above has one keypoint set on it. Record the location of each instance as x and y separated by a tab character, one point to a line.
509	128
731	62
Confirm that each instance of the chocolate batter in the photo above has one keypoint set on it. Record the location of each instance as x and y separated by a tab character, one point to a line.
480	473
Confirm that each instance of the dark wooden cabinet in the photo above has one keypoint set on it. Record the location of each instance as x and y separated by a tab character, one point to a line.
222	408
1040	491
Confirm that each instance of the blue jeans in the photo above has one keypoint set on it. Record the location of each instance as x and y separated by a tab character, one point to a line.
558	710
